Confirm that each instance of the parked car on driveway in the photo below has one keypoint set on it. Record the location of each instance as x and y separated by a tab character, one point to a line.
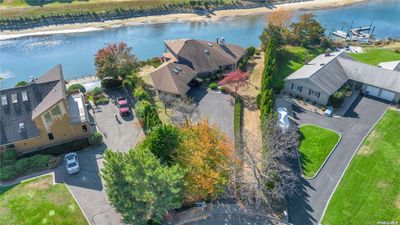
123	106
72	162
283	119
329	111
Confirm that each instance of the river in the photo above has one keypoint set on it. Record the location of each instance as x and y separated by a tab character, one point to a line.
32	56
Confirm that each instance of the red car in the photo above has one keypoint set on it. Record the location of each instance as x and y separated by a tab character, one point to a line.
123	106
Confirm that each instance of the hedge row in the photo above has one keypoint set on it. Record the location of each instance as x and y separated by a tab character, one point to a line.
237	120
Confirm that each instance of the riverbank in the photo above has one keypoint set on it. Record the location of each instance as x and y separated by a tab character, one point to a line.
185	17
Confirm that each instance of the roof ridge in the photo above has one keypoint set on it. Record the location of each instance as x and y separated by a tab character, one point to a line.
224	54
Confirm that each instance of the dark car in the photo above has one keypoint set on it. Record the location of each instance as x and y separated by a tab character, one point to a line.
123	106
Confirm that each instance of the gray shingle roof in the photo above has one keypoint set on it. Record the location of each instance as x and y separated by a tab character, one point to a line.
204	56
331	72
40	95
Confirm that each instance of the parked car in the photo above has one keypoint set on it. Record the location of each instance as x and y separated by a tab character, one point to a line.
123	106
329	111
72	162
283	119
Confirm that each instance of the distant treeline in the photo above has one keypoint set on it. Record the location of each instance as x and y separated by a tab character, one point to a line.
198	7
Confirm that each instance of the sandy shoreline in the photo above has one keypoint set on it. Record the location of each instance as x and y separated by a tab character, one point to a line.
87	27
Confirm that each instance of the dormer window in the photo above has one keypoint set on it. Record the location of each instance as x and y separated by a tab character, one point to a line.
14	98
24	95
4	100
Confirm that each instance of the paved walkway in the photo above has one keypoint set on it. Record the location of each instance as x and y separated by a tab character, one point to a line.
308	206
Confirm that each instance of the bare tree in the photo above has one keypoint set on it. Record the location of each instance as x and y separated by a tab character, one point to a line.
185	110
168	100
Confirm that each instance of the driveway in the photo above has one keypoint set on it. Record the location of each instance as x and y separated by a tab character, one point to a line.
118	134
307	207
216	107
87	185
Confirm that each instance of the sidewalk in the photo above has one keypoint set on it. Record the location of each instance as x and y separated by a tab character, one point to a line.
347	103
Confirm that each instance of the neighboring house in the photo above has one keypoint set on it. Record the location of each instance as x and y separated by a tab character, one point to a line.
323	76
186	59
42	114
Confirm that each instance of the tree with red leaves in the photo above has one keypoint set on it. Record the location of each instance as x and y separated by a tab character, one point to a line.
115	60
236	78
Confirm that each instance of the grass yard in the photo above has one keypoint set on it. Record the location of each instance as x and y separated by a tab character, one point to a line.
38	201
374	56
369	192
316	143
292	58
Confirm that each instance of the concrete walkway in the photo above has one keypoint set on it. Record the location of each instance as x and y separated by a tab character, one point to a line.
308	206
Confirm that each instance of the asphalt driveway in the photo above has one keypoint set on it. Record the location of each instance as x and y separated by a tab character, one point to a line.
307	207
87	185
216	107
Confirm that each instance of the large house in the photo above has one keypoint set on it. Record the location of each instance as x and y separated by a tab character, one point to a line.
42	114
323	76
186	59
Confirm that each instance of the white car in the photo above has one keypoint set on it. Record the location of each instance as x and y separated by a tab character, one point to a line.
283	119
72	162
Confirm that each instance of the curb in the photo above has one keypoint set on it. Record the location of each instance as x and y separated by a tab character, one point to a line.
327	158
351	159
79	205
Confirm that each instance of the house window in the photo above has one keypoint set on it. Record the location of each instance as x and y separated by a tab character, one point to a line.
51	136
314	93
292	86
56	111
299	88
84	128
48	118
14	98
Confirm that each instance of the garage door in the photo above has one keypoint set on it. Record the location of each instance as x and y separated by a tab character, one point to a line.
373	91
387	95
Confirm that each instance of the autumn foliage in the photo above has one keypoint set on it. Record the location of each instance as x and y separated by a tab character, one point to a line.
280	17
207	156
236	79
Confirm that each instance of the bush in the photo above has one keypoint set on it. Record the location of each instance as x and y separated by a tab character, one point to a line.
95	139
102	101
75	87
223	89
251	51
237	121
151	118
109	83
7	172
140	94
140	108
22	165
39	160
96	91
213	86
21	83
8	157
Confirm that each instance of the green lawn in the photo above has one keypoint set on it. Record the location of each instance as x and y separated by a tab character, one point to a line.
290	59
369	191
38	201
374	56
315	145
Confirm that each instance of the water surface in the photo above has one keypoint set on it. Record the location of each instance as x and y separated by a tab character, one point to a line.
32	56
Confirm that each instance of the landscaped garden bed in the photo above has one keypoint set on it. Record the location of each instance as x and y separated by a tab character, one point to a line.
316	143
38	201
369	192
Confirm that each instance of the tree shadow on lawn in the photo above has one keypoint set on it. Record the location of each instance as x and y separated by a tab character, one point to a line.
42	3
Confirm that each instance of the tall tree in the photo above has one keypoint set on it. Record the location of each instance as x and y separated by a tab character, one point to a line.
307	31
185	109
280	17
207	155
142	190
163	141
115	61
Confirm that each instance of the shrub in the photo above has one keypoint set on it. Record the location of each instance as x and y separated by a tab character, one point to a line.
39	160
223	89
102	101
140	94
75	87
96	91
251	51
95	139
213	86
237	123
140	108
8	157
151	118
72	146
21	83
22	165
7	172
109	83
